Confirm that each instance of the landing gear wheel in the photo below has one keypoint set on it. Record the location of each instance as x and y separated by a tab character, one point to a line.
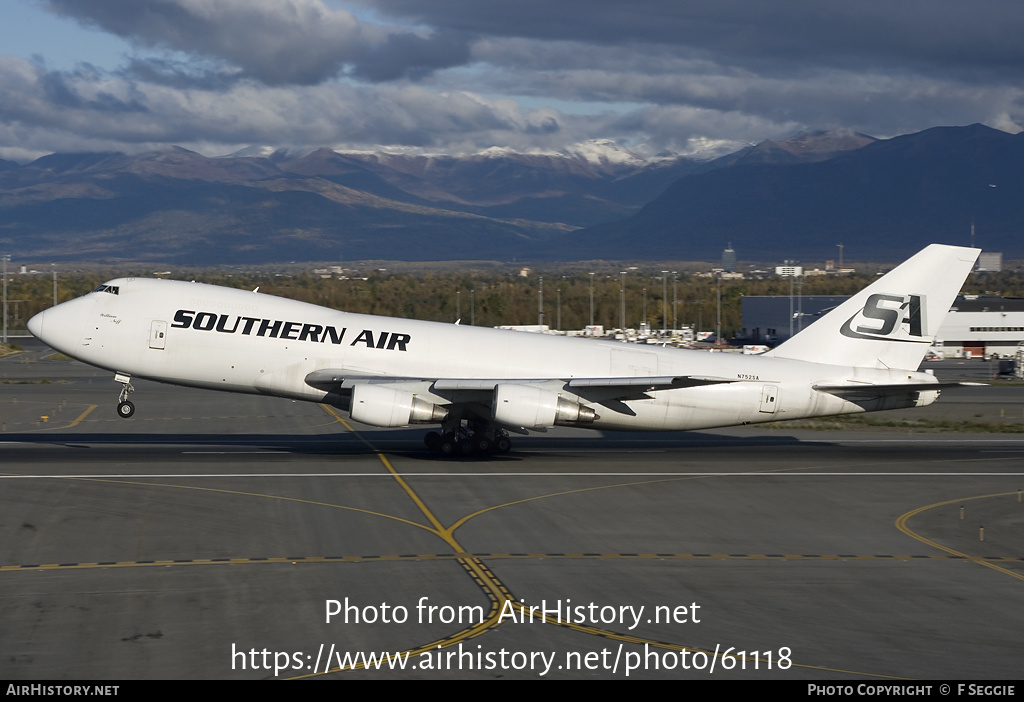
125	409
448	445
476	438
432	440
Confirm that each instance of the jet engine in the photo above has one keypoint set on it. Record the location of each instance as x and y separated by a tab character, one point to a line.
384	406
533	407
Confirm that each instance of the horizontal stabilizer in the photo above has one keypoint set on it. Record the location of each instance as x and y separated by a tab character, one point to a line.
880	390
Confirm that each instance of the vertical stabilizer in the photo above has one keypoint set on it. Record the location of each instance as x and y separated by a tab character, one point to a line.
892	322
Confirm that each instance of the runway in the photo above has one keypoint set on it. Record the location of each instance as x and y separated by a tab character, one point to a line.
226	536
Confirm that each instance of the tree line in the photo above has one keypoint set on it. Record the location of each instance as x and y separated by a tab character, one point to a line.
496	298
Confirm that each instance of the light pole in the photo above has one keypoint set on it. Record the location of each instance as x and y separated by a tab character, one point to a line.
789	264
622	300
53	267
664	302
558	308
799	303
675	300
6	257
540	303
718	327
591	299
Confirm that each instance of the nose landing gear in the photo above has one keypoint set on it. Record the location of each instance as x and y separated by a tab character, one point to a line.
125	409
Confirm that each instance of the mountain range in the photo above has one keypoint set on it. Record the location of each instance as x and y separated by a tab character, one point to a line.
795	198
883	201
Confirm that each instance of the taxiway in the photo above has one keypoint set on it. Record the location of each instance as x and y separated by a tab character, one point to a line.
207	537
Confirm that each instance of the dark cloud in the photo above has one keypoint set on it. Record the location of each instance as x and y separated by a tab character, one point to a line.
305	41
457	75
412	56
936	33
297	42
41	109
179	74
60	90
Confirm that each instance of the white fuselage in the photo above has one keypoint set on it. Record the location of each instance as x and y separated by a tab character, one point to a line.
226	339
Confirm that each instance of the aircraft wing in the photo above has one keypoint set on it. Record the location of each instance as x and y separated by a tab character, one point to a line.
629	384
593	389
331	379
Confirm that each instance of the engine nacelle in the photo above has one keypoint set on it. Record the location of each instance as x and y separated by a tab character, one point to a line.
533	407
384	406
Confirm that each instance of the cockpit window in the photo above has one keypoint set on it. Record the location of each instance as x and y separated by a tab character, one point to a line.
112	289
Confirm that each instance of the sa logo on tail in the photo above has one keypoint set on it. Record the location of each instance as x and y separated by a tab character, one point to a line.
885	316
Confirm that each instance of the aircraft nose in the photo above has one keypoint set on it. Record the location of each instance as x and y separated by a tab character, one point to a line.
35	325
60	327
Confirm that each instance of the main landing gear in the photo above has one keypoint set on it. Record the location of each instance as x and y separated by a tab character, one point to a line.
474	439
125	409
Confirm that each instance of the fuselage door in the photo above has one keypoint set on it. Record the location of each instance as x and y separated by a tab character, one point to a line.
157	334
769	398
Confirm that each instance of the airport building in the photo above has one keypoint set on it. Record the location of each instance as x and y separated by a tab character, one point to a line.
729	260
990	261
983	326
976	327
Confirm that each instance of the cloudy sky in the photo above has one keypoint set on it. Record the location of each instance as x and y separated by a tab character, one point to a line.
456	76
